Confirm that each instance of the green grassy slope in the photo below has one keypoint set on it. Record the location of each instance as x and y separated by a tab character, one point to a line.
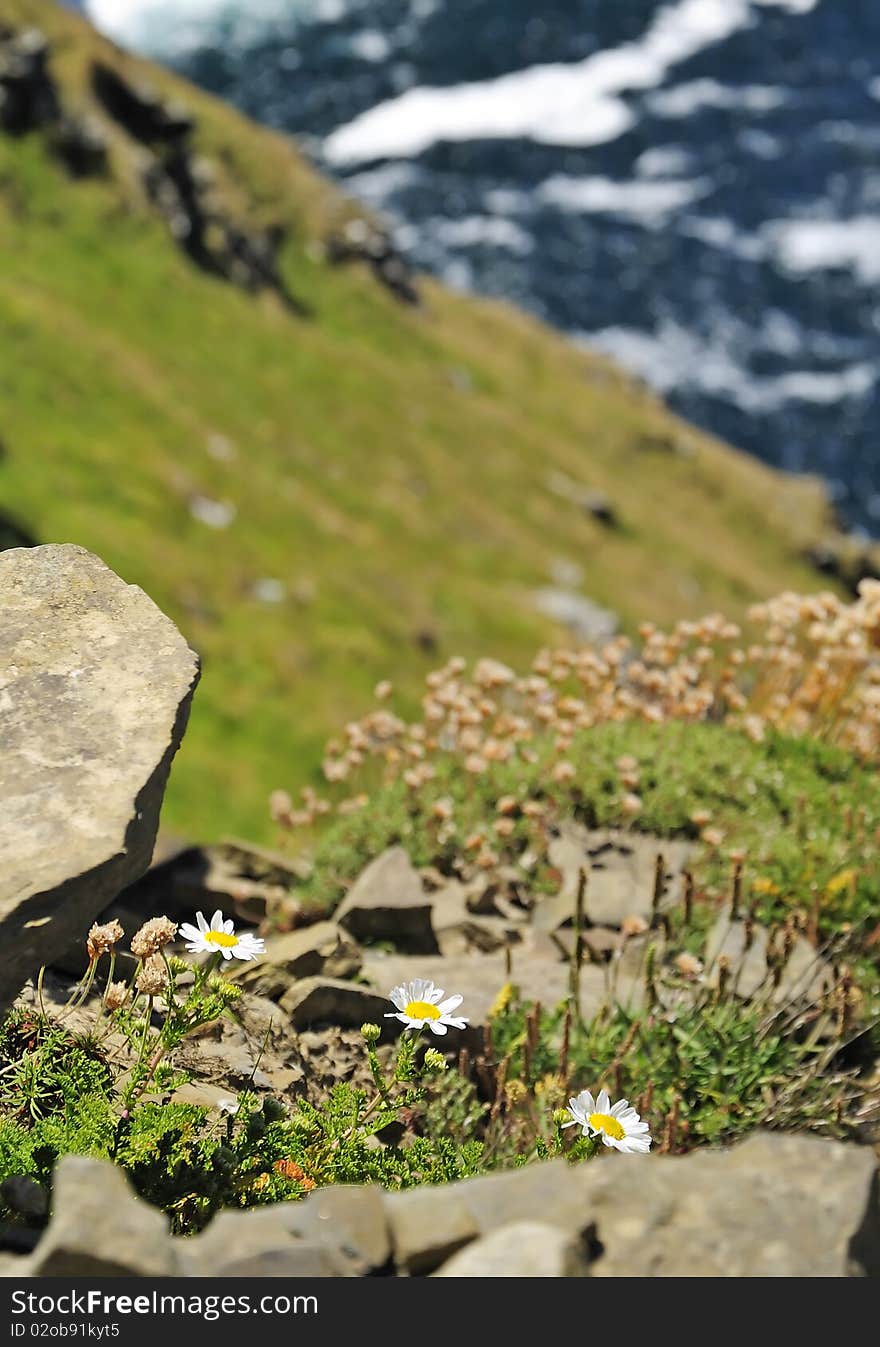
391	494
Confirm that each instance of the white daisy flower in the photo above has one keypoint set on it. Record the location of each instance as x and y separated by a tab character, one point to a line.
228	1106
619	1125
220	938
420	1003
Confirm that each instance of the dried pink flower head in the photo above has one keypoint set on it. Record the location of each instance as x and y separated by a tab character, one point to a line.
280	807
633	925
563	771
383	690
713	837
631	805
101	939
153	936
688	965
116	995
153	976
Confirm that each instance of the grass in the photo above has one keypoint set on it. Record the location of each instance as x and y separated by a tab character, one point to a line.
406	509
805	814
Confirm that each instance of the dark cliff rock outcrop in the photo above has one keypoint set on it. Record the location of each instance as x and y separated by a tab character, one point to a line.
360	241
30	101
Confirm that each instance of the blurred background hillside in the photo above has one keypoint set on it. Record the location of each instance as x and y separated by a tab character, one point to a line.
223	376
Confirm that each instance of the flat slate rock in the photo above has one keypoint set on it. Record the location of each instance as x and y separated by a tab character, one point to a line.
480	977
95	689
387	902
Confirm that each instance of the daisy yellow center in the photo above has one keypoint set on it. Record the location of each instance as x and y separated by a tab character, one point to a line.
221	938
603	1122
422	1010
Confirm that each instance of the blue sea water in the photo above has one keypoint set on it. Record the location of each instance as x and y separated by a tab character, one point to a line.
690	185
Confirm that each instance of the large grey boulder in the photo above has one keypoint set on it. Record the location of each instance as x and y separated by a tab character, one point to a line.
429	1224
99	1228
772	1206
95	690
523	1249
256	1244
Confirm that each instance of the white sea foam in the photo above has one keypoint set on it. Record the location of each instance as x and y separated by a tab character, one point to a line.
818	245
649	202
575	104
474	230
723	234
664	161
163	27
674	358
683	100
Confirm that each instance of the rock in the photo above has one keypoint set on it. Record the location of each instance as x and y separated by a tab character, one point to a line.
429	1224
25	1196
28	97
805	977
99	1228
479	979
772	1206
329	1001
81	146
621	874
387	902
523	1249
324	949
252	880
584	619
459	929
255	1243
351	1220
360	240
138	108
425	1231
95	690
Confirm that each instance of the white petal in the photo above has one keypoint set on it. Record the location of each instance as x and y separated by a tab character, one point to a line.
437	1026
189	932
217	921
603	1103
203	925
451	1003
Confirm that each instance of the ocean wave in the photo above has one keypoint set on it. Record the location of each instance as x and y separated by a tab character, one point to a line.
683	100
818	245
558	104
650	202
674	358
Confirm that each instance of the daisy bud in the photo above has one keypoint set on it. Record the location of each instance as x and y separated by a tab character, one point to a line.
561	1116
435	1060
370	1033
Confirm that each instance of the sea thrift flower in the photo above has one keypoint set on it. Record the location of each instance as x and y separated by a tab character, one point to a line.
633	925
116	995
153	977
101	939
153	936
220	937
619	1126
419	1004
